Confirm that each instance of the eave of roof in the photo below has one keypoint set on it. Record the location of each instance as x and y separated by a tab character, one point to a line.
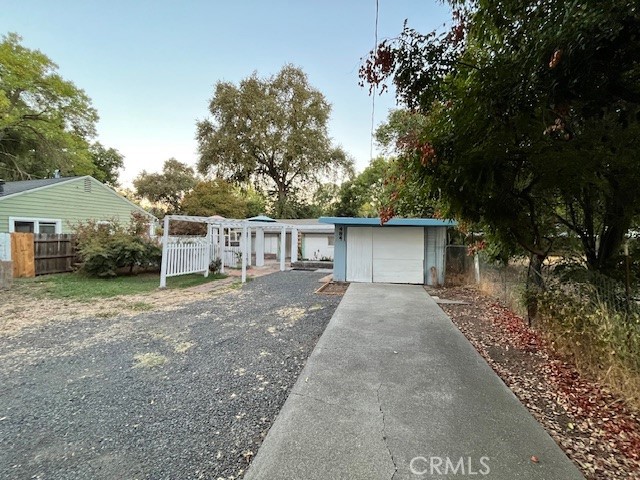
394	222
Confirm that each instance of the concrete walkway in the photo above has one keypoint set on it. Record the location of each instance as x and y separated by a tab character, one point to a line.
392	384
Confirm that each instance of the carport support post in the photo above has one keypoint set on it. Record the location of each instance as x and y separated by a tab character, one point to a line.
294	245
165	242
259	247
244	253
283	247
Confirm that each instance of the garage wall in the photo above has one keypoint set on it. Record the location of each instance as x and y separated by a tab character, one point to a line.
340	254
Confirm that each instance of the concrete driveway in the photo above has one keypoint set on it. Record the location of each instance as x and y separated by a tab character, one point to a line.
394	391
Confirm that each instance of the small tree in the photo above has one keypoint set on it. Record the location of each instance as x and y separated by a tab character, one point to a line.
214	197
166	188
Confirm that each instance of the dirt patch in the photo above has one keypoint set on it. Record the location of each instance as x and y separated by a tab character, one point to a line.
27	307
333	288
596	430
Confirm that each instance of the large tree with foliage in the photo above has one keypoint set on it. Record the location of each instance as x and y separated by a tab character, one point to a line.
107	163
168	188
528	118
45	121
271	132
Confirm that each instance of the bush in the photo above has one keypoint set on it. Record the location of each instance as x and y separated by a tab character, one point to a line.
107	247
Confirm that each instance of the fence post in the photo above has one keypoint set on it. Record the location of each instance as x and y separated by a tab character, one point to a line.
476	267
165	242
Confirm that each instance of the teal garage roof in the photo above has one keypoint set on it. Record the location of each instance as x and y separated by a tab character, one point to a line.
394	222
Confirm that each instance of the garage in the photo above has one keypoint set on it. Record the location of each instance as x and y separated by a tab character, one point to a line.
408	250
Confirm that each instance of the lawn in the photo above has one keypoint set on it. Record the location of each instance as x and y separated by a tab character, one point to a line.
80	287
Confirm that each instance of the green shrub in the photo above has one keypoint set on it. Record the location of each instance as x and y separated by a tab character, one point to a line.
107	247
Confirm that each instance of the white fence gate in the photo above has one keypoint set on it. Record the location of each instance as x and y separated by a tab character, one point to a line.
187	255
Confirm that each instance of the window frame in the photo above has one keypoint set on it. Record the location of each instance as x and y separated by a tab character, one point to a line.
36	223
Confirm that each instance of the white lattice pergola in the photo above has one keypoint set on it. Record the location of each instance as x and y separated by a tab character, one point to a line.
193	255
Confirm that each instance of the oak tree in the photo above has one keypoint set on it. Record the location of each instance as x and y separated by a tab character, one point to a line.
271	132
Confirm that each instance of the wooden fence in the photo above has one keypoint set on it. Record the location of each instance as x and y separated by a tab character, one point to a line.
54	253
42	254
23	255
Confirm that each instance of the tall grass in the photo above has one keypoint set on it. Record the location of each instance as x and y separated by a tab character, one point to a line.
602	340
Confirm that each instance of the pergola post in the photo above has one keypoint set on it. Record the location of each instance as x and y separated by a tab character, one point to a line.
259	247
294	245
283	247
249	246
165	243
245	244
221	242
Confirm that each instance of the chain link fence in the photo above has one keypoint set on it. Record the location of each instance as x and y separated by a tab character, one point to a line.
512	284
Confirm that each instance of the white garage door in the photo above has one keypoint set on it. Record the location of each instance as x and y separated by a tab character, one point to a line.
385	255
398	255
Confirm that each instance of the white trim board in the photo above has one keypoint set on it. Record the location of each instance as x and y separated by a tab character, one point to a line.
36	223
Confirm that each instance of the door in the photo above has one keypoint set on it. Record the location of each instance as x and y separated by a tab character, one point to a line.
398	255
359	254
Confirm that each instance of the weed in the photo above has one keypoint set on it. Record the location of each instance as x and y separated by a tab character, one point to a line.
149	360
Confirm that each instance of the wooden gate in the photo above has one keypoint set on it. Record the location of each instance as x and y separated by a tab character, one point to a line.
54	253
22	255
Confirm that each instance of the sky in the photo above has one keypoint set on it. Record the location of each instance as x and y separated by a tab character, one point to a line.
150	66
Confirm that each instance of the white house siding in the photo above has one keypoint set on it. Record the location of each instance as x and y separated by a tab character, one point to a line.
315	246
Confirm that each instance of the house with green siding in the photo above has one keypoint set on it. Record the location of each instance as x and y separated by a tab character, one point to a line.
55	205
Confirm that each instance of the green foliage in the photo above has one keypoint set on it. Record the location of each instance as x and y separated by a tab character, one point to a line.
363	195
271	132
215	266
45	121
107	163
168	188
525	117
214	197
106	248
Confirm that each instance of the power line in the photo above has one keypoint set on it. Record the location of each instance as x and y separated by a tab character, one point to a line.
373	93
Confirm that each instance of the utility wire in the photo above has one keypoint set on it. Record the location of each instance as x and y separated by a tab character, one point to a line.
373	96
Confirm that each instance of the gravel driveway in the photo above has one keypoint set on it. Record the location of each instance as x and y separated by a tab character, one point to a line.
167	395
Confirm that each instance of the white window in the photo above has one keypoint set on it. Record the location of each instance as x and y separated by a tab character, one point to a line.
233	238
35	225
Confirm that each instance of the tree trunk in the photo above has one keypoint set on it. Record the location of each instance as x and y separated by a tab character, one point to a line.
281	202
535	285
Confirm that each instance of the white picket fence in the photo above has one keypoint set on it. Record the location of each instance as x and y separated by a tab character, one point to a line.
187	255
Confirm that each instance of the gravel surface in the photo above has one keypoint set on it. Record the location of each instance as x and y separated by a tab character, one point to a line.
183	394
